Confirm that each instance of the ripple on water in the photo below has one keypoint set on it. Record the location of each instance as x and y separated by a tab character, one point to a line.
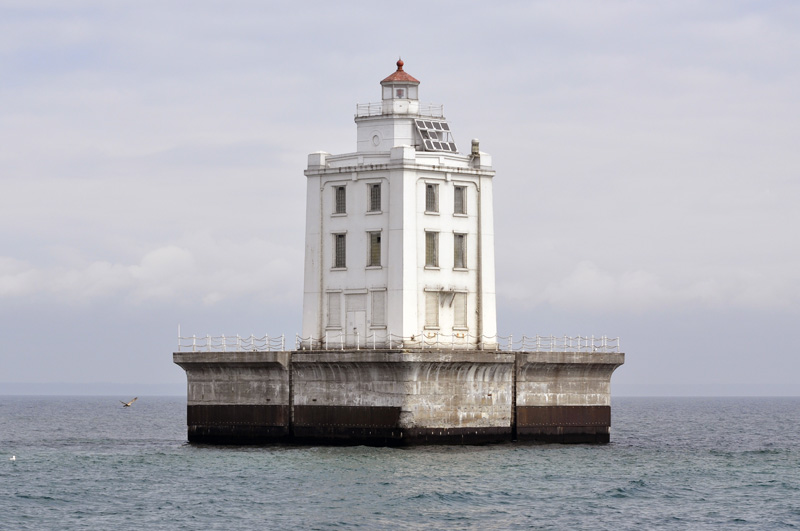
673	464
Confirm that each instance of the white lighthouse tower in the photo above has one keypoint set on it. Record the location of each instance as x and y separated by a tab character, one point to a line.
399	234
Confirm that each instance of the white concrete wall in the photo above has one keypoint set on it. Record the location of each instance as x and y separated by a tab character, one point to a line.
389	132
403	173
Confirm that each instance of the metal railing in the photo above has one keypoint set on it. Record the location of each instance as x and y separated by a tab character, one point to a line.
235	343
432	110
382	340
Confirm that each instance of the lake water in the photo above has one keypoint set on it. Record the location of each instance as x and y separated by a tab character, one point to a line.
673	463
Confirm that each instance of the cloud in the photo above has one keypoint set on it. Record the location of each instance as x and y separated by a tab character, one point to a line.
17	278
645	152
203	271
589	287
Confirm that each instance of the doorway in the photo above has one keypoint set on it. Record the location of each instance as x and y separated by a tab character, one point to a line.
356	319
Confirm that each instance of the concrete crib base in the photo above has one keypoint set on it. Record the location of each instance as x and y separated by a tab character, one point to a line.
238	435
398	397
564	424
264	435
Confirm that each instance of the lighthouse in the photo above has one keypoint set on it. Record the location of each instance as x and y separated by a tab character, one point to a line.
399	241
399	344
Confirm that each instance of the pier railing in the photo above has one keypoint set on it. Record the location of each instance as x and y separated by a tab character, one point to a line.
383	340
235	343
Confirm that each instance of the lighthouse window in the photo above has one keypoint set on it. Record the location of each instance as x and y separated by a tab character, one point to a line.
431	249
339	257
460	310
431	198
334	310
431	309
374	258
460	251
375	197
401	93
340	200
378	308
460	200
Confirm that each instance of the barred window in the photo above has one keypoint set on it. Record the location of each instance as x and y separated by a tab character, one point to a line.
460	200
460	310
374	258
431	198
431	249
334	310
339	200
459	251
340	245
375	197
431	309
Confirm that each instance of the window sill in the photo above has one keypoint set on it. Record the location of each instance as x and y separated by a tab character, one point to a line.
460	329
339	215
460	269
431	213
430	328
433	268
338	269
374	267
377	327
375	212
458	215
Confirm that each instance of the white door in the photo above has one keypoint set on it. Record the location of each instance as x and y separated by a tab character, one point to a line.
356	323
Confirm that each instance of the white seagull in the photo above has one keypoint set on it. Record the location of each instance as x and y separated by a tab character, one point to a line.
128	404
12	458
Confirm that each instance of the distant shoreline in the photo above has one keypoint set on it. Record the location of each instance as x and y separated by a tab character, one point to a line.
179	389
90	389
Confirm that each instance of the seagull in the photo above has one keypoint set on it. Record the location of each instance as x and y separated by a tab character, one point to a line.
128	404
12	458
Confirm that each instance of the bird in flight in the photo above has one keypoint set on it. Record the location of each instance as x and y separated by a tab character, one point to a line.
128	404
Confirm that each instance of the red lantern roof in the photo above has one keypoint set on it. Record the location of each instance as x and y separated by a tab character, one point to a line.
400	75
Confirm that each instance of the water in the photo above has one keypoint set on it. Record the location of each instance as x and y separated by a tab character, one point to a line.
674	463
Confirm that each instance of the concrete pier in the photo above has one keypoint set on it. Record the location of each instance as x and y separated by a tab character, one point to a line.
398	397
564	396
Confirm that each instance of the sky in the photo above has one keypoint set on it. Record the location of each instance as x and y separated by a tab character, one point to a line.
647	187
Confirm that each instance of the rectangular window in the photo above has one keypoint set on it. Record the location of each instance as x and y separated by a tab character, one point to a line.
460	310
339	200
379	308
374	258
431	309
431	249
431	198
375	197
334	310
340	248
460	200
459	251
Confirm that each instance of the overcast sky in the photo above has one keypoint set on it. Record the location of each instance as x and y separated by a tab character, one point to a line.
647	157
